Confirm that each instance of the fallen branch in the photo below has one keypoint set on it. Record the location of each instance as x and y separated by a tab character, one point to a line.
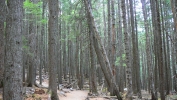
40	86
70	85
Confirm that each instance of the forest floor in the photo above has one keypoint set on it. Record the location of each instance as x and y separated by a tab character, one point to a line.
64	93
36	93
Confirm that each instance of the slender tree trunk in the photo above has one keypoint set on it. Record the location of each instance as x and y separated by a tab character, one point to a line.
104	19
174	11
158	45
138	78
93	64
77	59
148	51
32	38
60	69
113	43
42	42
64	52
53	31
81	61
109	30
127	54
120	50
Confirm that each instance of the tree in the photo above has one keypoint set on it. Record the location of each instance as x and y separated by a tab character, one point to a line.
13	51
148	51
42	45
174	11
93	83
53	31
136	67
32	38
2	16
100	51
127	53
158	44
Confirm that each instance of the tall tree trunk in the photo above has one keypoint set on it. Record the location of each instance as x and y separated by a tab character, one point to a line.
60	69
121	50
104	19
81	60
109	29
154	26
113	43
174	11
164	42
13	51
77	58
53	31
64	52
92	63
127	54
138	75
158	45
42	41
32	38
148	51
100	51
135	69
2	16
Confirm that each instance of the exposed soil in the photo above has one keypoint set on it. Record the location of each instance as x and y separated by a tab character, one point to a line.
74	95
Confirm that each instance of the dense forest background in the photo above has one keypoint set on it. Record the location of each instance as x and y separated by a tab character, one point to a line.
128	44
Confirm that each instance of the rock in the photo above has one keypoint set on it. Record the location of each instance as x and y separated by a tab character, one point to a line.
71	89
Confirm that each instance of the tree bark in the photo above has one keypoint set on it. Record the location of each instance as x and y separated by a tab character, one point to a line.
2	16
13	51
93	65
158	45
148	51
81	61
174	11
32	38
127	54
100	51
53	31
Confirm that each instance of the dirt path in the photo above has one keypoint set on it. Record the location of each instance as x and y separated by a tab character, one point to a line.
75	95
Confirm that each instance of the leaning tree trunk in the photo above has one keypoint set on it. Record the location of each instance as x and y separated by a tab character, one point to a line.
53	31
92	63
13	51
100	51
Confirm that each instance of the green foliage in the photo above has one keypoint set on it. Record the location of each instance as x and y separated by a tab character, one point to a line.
117	63
118	60
71	36
25	46
25	41
30	7
43	21
35	9
167	1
